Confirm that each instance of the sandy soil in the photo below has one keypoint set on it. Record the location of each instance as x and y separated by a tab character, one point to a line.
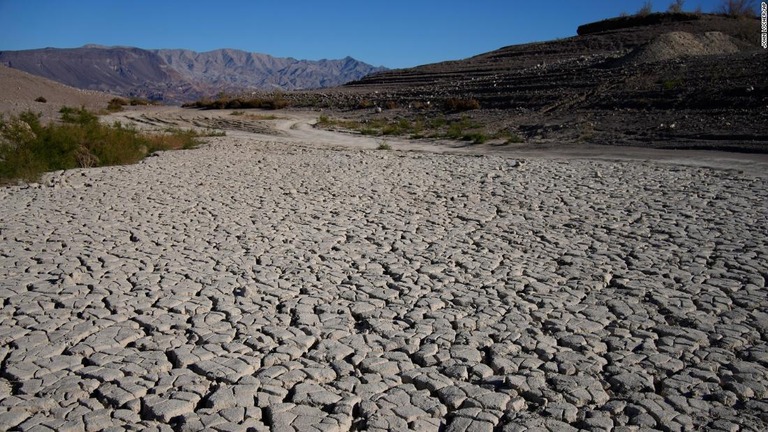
18	91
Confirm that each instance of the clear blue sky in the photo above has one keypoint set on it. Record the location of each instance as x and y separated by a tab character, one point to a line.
392	33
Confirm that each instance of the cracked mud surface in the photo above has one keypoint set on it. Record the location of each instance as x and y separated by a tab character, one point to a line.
257	283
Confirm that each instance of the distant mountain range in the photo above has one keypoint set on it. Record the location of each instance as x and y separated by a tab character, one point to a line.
172	75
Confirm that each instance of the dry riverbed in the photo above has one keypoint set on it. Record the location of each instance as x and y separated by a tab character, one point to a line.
267	282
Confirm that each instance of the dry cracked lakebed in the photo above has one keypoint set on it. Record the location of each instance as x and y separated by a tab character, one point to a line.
255	285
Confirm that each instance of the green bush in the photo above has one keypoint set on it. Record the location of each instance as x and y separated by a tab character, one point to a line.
28	149
475	137
514	139
463	128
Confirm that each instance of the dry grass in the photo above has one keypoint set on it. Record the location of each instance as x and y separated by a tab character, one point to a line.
252	116
738	8
274	102
463	128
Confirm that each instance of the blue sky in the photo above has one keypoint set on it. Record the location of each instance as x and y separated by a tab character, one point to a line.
392	33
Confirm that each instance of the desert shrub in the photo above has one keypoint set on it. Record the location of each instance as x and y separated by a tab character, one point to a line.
41	99
420	127
79	116
116	104
139	101
365	104
28	149
384	146
275	102
646	9
509	137
457	105
460	128
672	83
436	123
738	8
676	6
475	137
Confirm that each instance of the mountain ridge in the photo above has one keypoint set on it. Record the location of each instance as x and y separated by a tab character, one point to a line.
179	75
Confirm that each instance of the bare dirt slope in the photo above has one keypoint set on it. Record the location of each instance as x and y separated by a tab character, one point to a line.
18	91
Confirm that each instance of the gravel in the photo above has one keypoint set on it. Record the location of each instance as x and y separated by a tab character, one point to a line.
254	285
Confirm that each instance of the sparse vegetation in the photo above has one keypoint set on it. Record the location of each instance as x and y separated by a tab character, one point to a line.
274	102
365	104
676	6
646	9
462	129
252	116
41	99
671	84
116	104
439	127
207	132
140	102
476	137
509	137
29	148
383	145
738	8
586	131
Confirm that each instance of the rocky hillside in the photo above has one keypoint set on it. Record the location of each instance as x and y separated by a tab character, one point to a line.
235	69
180	75
671	80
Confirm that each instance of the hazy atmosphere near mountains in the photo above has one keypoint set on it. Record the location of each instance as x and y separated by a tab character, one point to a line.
387	33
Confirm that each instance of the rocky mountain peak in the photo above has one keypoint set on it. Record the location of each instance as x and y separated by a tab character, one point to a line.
179	75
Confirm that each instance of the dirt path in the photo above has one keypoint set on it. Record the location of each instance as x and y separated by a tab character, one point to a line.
297	126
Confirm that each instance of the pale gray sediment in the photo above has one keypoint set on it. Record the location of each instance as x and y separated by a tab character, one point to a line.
257	285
